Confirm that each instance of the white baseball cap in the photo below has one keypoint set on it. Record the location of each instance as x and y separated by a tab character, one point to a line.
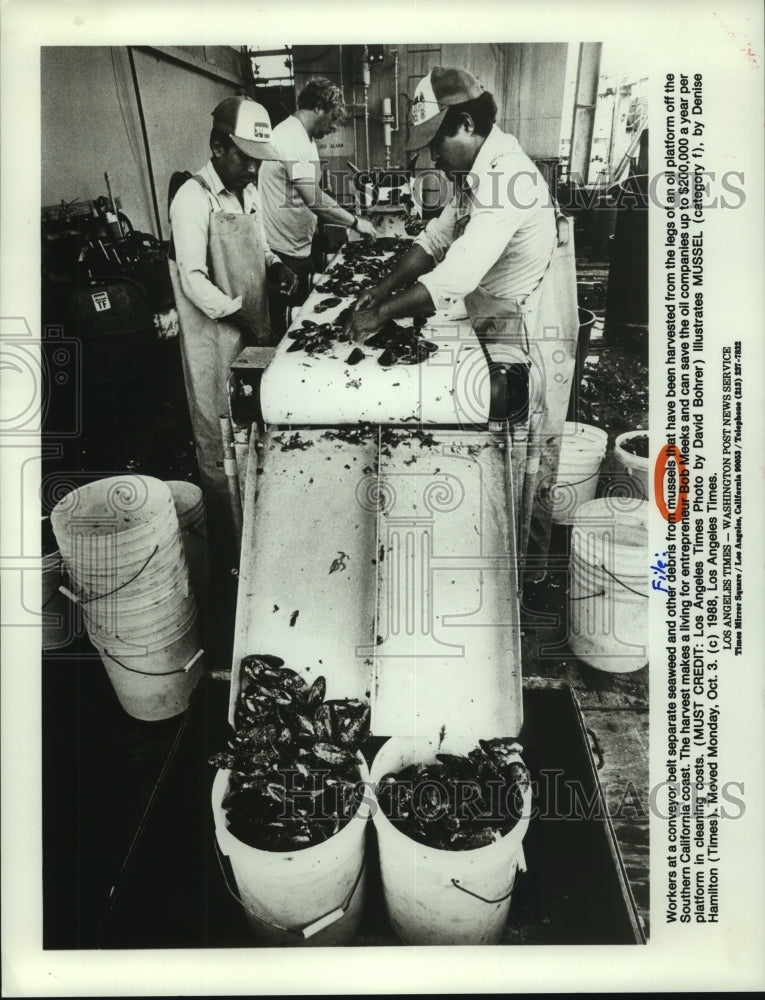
248	124
441	89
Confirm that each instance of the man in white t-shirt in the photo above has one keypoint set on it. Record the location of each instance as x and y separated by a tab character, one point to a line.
290	187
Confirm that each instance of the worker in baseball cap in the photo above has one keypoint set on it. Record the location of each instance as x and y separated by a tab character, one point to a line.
494	247
220	267
248	124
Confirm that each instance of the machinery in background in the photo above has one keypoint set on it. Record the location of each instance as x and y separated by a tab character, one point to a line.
107	304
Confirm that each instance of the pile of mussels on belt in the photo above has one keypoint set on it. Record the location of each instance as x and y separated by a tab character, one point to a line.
364	266
295	780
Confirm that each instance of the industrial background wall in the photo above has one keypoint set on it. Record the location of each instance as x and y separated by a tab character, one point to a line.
527	80
90	122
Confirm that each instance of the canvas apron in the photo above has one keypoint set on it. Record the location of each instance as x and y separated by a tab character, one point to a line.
542	330
236	264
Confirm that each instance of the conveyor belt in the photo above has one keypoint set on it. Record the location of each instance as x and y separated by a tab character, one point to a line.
450	388
384	560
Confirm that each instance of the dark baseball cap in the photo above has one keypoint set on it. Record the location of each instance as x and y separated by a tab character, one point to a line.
441	89
248	124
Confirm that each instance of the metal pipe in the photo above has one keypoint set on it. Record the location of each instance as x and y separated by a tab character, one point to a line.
366	77
366	126
232	477
387	118
157	216
584	109
396	94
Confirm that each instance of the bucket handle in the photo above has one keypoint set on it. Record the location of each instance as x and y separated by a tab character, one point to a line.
520	865
601	593
579	483
587	597
309	930
623	584
150	673
79	600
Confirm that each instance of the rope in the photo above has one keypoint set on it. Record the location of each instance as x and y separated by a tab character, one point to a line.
151	673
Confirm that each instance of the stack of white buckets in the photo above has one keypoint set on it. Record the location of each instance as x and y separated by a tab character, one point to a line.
120	542
608	572
609	586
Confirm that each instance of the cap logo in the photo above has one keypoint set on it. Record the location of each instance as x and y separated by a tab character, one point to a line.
425	105
419	111
251	123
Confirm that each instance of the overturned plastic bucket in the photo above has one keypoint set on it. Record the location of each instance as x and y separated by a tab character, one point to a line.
581	454
609	586
636	466
154	684
314	896
442	897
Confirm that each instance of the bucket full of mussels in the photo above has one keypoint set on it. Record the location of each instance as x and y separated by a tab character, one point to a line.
450	818
289	807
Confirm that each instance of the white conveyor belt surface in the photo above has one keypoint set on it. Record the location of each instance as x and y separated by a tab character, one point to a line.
384	559
450	388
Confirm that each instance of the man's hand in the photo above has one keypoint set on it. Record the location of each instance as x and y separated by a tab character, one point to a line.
362	323
284	277
241	320
366	229
371	298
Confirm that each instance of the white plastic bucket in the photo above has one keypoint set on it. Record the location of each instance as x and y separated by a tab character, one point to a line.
143	588
154	685
166	571
581	453
93	556
190	508
151	633
636	467
431	895
309	897
129	635
609	585
123	505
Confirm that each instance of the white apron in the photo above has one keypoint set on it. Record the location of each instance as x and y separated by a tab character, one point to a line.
236	264
542	329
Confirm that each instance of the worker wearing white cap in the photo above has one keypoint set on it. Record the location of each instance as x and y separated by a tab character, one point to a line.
293	200
219	275
495	246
